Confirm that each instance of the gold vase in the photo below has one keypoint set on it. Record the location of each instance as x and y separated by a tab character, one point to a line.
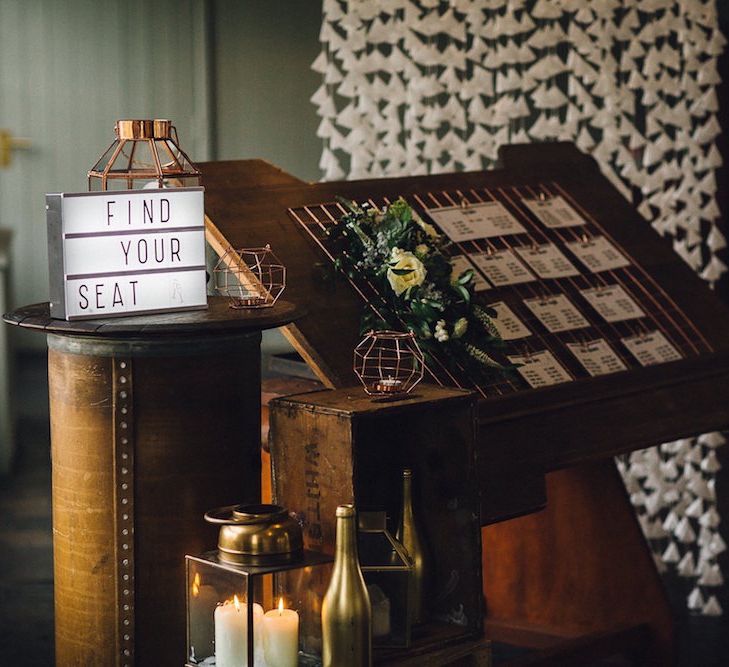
410	536
346	614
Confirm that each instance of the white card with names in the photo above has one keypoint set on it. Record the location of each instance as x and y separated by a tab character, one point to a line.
502	268
652	348
476	221
613	303
597	357
547	261
509	326
540	369
556	313
554	212
461	264
598	254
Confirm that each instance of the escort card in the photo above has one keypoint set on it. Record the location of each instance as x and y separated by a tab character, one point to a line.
556	313
540	369
547	261
461	264
502	268
598	254
554	212
509	326
612	303
597	357
652	348
476	221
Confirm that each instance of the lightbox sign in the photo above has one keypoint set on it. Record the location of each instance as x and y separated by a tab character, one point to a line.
126	252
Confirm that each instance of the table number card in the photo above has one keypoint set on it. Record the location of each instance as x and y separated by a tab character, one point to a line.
540	369
476	221
547	261
509	326
556	313
652	348
613	303
461	264
598	254
597	357
502	268
554	212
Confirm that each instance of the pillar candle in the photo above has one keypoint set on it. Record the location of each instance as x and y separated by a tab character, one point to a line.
231	632
281	637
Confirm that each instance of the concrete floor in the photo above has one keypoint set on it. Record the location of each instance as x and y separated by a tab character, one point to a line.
26	562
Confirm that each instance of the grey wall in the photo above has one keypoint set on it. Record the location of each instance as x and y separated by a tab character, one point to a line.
262	50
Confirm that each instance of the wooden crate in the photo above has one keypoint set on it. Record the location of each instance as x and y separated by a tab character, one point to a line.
333	447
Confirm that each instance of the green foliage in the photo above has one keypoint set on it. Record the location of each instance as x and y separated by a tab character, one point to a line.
407	263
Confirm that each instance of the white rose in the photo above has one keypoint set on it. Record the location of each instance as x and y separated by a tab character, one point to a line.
406	261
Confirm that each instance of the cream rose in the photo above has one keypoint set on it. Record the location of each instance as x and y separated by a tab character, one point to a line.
405	261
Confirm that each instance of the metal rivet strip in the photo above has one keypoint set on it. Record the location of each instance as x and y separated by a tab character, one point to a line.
124	508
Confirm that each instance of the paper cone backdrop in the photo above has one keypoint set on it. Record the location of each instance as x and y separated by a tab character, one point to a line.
424	86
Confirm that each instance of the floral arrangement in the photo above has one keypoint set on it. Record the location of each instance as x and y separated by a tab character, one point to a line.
403	257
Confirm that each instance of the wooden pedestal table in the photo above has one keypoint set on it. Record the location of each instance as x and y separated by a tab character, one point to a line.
154	419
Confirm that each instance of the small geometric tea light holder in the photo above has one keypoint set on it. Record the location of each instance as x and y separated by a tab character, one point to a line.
388	363
260	564
250	277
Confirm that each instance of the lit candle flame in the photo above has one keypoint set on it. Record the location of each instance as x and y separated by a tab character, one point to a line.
236	603
280	606
196	585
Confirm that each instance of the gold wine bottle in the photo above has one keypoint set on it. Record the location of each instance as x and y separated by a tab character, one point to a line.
411	538
346	614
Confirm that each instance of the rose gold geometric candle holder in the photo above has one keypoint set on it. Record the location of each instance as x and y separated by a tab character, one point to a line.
388	363
250	277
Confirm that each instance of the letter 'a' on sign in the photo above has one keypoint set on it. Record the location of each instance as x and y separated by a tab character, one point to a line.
126	252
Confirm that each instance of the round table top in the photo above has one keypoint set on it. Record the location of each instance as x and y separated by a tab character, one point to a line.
218	317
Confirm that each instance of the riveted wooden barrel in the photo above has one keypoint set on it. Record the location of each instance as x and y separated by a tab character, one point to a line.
146	436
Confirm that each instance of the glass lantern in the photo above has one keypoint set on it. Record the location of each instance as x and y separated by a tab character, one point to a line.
250	277
387	570
256	600
388	363
145	154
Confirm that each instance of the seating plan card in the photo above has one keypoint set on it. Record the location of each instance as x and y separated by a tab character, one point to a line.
461	264
612	303
652	348
509	326
554	212
547	261
598	254
502	268
476	221
540	369
556	313
597	357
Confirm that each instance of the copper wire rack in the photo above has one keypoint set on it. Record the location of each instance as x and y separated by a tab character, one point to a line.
661	314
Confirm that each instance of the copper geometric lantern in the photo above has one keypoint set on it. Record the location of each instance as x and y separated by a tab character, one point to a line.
145	154
388	363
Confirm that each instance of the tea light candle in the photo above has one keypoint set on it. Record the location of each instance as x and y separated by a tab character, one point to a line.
281	637
231	632
388	385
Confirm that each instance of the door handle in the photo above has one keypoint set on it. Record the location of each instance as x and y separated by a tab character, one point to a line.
9	143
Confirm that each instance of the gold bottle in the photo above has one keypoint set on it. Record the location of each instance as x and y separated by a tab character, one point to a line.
411	538
346	614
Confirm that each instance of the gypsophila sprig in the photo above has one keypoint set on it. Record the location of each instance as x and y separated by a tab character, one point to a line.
405	258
